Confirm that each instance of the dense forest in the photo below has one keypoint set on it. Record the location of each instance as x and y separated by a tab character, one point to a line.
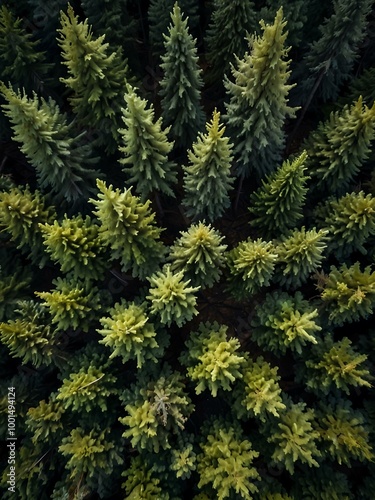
187	259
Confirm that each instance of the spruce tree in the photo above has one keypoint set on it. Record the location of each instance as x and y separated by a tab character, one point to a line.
207	180
226	34
277	204
59	155
145	148
96	77
181	83
260	91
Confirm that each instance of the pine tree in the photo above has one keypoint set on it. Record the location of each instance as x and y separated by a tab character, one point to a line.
226	34
338	147
199	254
207	180
323	483
96	77
212	360
145	148
128	228
259	91
172	299
51	145
142	482
15	282
363	85
181	84
277	204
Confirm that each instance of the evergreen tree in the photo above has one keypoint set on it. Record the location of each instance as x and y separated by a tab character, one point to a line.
51	145
15	281
363	85
259	91
338	147
277	204
141	482
128	228
145	148
212	360
207	180
181	83
226	34
199	254
323	483
97	78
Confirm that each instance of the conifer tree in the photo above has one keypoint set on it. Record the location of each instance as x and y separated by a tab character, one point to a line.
212	360
96	77
181	83
199	254
128	228
14	283
207	180
259	91
145	148
285	321
226	34
277	204
172	298
59	156
338	147
44	421
363	85
323	483
142	482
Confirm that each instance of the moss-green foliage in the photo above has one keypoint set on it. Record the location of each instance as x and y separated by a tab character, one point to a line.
363	86
323	483
226	461
171	297
260	90
277	205
348	293
141	482
226	34
299	255
13	287
184	461
128	228
97	78
128	332
44	420
145	148
181	83
251	265
74	244
157	409
58	154
285	321
72	303
339	146
199	254
207	179
213	361
343	433
332	364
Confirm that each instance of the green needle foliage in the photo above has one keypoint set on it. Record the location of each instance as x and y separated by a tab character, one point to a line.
145	148
260	91
226	34
128	228
285	321
348	293
277	205
212	360
21	212
226	462
49	142
294	437
157	409
300	254
343	435
332	364
323	483
181	84
199	254
184	461
21	62
45	420
74	244
172	299
251	266
72	304
208	180
141	483
128	332
13	286
96	77
339	146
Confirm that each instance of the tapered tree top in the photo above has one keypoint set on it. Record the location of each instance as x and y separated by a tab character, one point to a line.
258	103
